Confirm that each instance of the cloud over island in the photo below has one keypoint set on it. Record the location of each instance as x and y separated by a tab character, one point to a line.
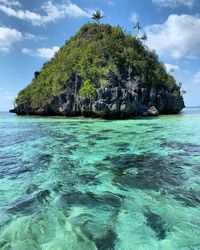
51	12
178	36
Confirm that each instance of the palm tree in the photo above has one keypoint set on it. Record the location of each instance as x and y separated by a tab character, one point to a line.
97	16
137	27
171	71
144	37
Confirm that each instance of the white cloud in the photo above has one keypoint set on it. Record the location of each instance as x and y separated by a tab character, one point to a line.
22	14
10	3
52	12
174	3
171	67
178	37
30	36
46	53
62	10
27	51
197	78
190	85
8	37
134	17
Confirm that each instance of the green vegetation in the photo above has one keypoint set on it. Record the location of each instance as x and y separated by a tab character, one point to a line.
88	90
94	52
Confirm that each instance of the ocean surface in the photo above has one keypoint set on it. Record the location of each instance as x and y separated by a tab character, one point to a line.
70	184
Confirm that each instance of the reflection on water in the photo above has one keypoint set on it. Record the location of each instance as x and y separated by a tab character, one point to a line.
94	184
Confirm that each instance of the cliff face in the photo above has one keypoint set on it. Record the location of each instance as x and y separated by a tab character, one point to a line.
125	79
117	100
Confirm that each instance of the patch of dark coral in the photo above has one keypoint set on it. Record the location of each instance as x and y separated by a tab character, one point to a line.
157	224
146	171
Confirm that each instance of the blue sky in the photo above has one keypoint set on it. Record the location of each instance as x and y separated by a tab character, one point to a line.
31	31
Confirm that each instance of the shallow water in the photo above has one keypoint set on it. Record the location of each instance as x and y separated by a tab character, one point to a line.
94	184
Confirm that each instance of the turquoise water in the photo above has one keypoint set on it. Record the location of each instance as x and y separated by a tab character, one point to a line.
93	184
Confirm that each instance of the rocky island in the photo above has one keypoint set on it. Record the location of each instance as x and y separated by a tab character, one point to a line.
104	72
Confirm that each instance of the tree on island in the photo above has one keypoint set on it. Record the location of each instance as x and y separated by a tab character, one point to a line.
36	74
137	27
97	16
88	90
144	37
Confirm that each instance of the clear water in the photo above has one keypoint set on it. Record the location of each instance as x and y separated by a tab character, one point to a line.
94	184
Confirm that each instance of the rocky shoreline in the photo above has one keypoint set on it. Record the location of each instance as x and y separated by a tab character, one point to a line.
119	100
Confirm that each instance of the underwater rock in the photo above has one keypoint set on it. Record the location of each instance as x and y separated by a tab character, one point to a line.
190	198
89	178
13	166
149	171
98	231
107	131
42	195
157	224
98	137
188	148
32	188
102	234
28	204
64	138
71	149
107	242
122	144
157	127
91	143
122	147
45	159
89	199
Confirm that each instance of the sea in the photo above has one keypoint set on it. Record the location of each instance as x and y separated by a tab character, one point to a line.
88	184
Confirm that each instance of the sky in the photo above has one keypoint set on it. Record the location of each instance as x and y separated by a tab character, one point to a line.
31	31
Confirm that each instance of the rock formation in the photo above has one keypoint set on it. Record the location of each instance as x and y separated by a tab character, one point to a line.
125	86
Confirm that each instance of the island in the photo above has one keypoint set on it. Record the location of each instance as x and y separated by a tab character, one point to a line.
102	71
